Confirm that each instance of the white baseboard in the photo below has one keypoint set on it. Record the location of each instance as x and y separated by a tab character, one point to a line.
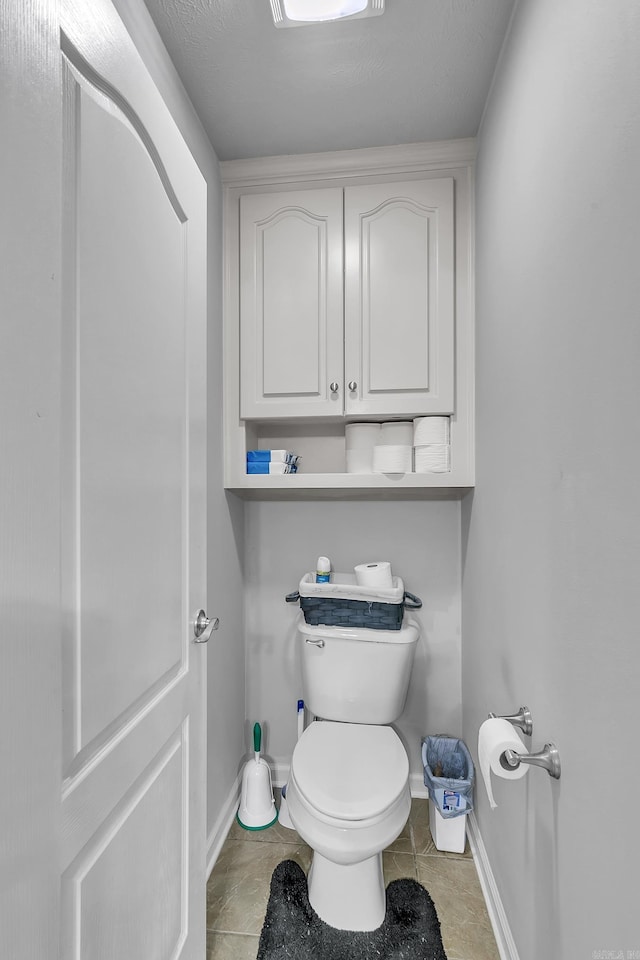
418	789
501	930
221	827
280	771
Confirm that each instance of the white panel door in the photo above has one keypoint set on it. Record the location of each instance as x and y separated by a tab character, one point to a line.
291	304
399	298
133	523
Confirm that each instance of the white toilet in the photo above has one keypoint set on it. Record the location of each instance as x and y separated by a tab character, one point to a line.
348	791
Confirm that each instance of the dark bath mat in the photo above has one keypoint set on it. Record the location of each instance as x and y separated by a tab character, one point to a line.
293	931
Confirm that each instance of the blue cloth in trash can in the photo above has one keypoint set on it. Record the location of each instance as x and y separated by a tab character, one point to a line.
452	788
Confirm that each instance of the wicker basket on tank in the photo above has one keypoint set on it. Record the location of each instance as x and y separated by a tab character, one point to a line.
343	603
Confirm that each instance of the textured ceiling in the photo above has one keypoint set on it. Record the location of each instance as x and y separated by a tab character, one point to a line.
419	72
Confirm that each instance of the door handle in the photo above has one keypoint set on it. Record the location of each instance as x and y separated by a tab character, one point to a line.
203	627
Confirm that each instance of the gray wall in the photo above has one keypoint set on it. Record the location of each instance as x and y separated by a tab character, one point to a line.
225	522
421	539
551	539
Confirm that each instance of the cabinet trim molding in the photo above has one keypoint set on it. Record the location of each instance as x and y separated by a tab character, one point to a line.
393	161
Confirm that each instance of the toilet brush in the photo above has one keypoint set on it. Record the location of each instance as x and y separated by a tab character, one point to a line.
257	809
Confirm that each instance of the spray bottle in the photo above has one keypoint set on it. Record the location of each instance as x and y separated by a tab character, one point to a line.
284	818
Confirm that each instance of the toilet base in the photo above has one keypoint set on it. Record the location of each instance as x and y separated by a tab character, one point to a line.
348	896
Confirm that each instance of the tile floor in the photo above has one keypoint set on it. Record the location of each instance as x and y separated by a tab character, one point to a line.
238	887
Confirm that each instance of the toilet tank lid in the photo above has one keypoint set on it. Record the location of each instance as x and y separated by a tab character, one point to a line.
350	771
408	632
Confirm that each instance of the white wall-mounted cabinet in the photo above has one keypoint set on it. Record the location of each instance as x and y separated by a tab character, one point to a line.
348	296
347	301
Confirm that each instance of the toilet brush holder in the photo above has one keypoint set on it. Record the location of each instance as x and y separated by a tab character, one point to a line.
257	809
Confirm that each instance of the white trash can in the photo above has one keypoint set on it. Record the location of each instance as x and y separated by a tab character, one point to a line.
449	776
448	834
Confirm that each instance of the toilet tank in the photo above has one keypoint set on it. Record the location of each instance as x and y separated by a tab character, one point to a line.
357	675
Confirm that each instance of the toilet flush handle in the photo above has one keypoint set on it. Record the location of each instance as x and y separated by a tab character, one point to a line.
316	642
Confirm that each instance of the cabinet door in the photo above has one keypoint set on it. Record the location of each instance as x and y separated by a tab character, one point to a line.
399	303
291	304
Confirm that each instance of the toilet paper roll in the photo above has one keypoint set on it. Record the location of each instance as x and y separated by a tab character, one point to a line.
359	460
432	458
494	737
360	439
392	459
396	433
430	430
376	574
361	435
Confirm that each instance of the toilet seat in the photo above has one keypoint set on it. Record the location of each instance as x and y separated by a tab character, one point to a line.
348	797
350	771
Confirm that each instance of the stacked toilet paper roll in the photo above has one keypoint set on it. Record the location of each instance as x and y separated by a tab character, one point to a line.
360	440
375	574
393	452
392	458
396	433
432	458
431	445
430	430
494	737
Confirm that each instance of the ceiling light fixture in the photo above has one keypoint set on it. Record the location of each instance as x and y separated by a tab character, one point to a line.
299	13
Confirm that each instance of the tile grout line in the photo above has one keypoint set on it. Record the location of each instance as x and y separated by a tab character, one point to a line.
413	848
232	933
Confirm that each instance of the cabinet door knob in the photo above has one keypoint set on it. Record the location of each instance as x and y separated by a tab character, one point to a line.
353	385
334	387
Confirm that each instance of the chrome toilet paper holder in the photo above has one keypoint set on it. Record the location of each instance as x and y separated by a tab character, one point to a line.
548	758
521	719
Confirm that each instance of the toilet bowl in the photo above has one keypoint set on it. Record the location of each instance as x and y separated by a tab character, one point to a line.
348	797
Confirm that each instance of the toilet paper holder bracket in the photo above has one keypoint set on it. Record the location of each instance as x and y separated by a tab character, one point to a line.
521	719
548	758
